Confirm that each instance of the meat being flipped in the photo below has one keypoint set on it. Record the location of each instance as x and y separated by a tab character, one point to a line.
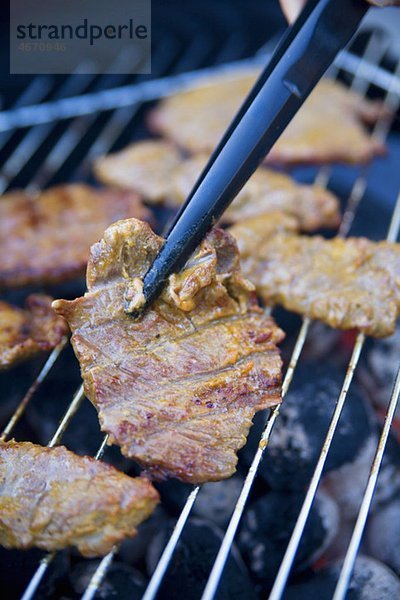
178	388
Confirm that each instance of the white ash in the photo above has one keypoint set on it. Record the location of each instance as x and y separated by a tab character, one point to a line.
293	437
347	484
371	580
329	514
216	501
383	535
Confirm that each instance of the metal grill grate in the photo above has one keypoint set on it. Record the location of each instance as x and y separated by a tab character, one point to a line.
122	105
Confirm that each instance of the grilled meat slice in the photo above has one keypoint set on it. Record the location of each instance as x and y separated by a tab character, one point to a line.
51	498
46	238
155	169
352	283
147	167
327	128
178	388
25	333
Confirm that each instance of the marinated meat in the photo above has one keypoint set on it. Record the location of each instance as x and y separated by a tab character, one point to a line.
46	238
327	128
51	498
24	333
352	283
155	169
176	389
146	167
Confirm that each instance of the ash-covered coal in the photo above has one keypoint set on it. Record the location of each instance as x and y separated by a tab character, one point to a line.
300	430
347	484
371	580
383	535
192	562
268	524
216	501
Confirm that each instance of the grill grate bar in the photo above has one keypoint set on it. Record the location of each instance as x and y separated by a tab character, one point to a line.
35	137
166	556
99	575
35	92
37	577
351	554
15	417
290	553
121	118
77	128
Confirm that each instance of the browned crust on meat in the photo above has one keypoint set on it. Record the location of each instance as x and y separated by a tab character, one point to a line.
328	128
176	389
46	238
348	284
157	170
50	498
30	331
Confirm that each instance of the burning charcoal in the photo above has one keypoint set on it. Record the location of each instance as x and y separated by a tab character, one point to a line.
216	501
300	430
268	525
192	562
133	550
347	484
383	362
371	580
121	581
383	535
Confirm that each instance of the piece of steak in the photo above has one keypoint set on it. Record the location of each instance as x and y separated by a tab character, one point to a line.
46	237
30	331
176	389
51	498
351	283
329	127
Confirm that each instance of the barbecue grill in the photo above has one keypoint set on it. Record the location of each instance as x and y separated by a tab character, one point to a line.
54	130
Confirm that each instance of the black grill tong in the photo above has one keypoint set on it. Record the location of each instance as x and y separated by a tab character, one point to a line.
308	48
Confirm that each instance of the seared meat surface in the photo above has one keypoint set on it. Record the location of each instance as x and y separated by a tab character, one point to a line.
147	167
29	331
156	169
46	238
51	498
176	389
351	283
327	128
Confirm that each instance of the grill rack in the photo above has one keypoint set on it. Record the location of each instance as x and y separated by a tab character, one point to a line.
365	71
